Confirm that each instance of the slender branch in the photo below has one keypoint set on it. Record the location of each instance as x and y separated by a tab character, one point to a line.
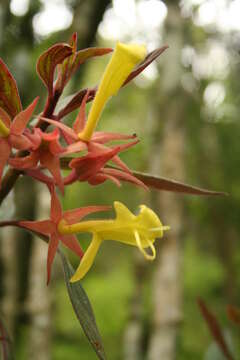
9	223
49	109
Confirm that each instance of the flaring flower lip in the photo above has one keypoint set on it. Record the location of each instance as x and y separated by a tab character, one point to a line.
137	230
124	59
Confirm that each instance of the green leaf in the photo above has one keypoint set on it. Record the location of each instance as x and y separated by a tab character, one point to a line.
82	308
48	61
9	96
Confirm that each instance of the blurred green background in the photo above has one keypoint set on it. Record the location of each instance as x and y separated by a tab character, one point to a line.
184	108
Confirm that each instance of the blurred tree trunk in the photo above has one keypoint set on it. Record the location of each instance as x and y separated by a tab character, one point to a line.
168	159
91	13
9	268
8	255
39	297
25	201
133	336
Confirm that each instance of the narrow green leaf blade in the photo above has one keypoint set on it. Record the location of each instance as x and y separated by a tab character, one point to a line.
82	308
9	96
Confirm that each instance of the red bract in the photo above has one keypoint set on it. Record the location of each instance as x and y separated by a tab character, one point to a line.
16	138
91	167
50	227
71	135
46	150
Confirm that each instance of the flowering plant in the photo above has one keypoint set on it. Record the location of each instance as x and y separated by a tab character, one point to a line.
35	151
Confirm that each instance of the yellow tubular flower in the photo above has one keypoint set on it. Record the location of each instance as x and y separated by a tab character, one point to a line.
124	59
138	230
4	131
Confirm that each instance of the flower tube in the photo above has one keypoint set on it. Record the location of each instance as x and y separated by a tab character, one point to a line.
124	59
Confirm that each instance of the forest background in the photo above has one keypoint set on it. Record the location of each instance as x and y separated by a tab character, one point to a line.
184	109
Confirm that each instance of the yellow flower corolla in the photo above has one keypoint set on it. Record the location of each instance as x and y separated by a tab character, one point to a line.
4	131
138	230
124	59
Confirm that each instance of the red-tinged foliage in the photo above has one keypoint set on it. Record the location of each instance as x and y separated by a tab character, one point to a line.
75	102
161	183
72	63
48	61
9	96
147	61
234	314
215	329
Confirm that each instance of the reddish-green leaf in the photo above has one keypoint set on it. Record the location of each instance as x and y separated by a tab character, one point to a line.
48	61
234	314
85	54
9	96
215	329
147	61
82	308
73	102
71	64
165	184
